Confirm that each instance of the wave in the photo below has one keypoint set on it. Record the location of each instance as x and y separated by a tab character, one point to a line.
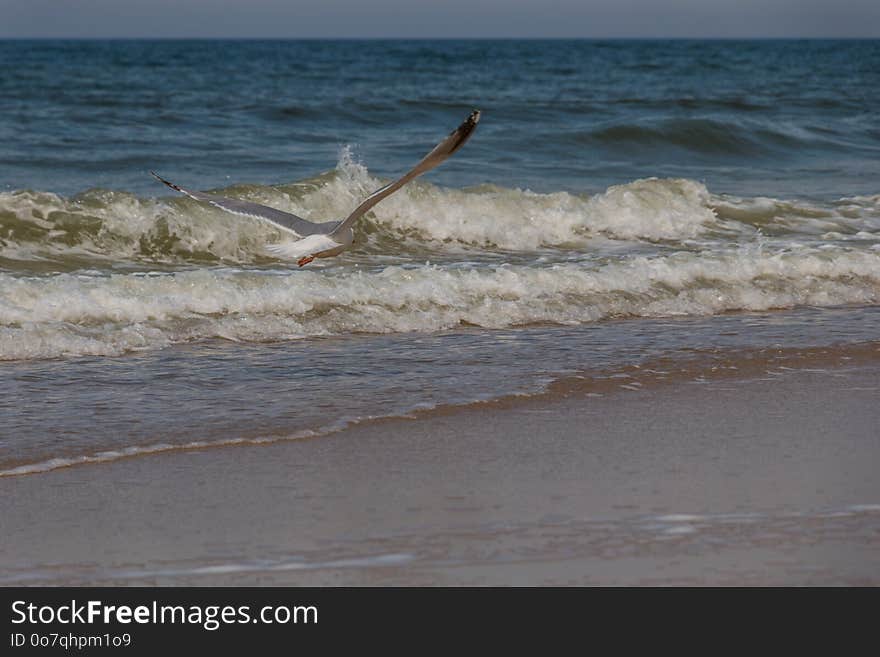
715	137
101	226
693	365
115	225
73	279
108	456
847	218
109	314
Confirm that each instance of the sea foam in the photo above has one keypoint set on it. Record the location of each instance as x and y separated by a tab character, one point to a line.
69	314
104	273
104	226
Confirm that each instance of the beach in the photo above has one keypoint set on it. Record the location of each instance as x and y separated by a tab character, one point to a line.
765	477
627	334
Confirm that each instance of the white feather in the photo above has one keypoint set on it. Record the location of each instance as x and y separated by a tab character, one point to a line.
308	246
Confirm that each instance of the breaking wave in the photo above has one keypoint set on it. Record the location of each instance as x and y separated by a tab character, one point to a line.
104	273
108	314
100	226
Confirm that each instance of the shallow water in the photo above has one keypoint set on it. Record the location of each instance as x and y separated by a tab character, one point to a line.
618	201
62	412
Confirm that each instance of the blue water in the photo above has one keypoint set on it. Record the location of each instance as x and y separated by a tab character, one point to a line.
619	201
778	118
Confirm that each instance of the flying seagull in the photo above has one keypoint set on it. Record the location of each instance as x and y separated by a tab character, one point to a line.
323	240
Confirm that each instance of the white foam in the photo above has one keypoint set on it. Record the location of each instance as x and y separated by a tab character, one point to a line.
515	219
848	218
281	564
679	517
117	225
571	259
108	456
121	226
69	314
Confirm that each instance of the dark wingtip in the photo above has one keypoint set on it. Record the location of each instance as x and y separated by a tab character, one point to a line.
461	134
470	122
165	182
468	126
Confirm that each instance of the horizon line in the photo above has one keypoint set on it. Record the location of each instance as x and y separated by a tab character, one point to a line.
440	38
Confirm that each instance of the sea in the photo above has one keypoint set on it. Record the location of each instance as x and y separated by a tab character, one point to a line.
620	202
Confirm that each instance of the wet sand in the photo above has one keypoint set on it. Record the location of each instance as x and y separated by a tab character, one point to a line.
749	477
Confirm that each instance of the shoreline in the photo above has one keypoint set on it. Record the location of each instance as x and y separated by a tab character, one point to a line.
703	365
743	477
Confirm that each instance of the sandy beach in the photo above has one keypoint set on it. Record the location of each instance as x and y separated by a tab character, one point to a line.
759	476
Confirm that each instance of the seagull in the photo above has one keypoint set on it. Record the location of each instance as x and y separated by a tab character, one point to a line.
330	238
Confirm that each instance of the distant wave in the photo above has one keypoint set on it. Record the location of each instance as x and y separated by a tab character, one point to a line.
737	138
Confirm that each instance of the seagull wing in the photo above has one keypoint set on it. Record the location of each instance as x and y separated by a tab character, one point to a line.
443	150
284	220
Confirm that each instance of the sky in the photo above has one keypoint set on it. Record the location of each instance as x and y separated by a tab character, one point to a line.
438	18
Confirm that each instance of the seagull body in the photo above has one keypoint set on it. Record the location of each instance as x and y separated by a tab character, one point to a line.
327	239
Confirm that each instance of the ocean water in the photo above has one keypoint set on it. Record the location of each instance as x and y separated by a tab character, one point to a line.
620	201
